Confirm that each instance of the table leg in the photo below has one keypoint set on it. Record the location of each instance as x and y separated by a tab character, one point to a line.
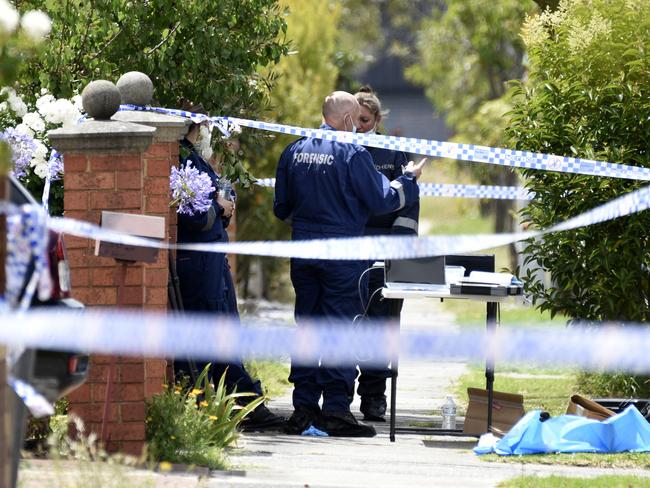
491	321
395	312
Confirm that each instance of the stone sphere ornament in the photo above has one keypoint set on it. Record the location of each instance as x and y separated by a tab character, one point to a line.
135	88
100	99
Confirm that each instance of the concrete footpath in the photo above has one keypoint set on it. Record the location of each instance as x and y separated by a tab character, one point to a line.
275	460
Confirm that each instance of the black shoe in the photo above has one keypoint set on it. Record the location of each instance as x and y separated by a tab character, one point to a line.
302	418
262	419
373	408
343	424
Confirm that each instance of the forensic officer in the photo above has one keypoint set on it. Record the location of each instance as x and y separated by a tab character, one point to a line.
205	281
372	381
328	189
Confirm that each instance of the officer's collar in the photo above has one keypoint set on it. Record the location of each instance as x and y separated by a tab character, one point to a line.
326	127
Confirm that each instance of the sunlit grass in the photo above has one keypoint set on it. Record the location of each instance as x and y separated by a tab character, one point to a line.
273	375
543	389
610	481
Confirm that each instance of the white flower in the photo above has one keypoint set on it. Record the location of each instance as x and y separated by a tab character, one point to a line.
3	106
44	100
77	102
39	159
15	102
34	121
36	25
9	17
68	113
18	106
44	91
25	130
41	169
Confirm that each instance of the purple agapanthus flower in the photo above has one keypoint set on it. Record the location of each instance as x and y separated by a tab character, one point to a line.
22	149
190	190
55	166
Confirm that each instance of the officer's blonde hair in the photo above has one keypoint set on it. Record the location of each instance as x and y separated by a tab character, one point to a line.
368	98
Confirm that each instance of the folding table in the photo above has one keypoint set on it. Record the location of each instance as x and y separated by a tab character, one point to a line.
491	302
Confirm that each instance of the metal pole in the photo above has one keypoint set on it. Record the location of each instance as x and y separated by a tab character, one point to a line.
489	362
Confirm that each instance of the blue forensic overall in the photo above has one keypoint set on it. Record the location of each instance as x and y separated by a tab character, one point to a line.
205	281
328	189
372	381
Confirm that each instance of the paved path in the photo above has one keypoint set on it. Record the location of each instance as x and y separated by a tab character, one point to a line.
280	460
273	460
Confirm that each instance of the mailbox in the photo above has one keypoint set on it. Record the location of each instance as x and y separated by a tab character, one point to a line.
135	224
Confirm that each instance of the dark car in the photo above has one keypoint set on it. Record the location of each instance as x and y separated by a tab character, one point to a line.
54	373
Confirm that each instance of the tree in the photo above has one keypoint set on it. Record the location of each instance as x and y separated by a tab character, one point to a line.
303	79
207	52
466	53
587	96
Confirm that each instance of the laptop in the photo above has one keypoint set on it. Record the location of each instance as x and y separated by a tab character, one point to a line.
419	274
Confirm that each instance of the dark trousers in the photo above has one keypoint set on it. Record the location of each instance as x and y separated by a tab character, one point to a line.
372	380
325	290
207	286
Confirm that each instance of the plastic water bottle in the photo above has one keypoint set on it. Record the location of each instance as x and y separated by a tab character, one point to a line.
449	414
225	189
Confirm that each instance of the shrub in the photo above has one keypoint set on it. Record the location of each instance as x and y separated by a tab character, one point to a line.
194	425
588	95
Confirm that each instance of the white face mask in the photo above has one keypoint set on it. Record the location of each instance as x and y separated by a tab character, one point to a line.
372	131
203	143
354	127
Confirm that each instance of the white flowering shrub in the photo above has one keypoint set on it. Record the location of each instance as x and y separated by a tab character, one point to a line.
24	126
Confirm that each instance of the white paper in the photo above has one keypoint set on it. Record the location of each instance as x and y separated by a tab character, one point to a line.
503	279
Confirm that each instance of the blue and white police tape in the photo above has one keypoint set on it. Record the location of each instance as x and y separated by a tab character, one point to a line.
226	127
370	247
135	333
54	167
27	241
454	191
37	404
451	150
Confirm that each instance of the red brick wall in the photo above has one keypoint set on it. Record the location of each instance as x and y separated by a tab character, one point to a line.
131	183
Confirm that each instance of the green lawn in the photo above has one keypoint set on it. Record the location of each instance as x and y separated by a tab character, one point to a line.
566	482
623	460
544	389
273	375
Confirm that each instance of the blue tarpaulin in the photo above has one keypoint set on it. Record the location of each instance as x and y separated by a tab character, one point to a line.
626	431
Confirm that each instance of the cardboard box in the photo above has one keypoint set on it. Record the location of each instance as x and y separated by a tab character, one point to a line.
579	405
507	409
138	225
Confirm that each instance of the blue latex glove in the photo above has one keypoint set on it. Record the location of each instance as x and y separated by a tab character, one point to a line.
314	432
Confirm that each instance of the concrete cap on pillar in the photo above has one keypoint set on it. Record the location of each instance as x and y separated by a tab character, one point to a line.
135	88
100	99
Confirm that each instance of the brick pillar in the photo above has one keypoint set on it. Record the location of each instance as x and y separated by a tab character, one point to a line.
106	169
159	158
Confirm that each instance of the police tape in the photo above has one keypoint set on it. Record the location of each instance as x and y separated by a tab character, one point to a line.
37	404
608	347
27	241
370	247
453	190
451	150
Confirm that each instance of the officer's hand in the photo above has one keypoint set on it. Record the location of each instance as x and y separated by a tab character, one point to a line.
227	205
414	168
